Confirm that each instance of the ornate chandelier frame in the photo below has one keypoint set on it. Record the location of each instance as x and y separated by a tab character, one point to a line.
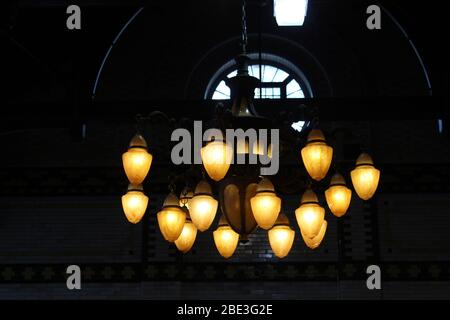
247	200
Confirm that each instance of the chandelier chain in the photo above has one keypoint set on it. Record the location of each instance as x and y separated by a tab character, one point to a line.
139	123
244	27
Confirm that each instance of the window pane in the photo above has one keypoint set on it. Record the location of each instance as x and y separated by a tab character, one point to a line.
292	87
276	93
298	126
223	88
296	95
232	74
269	93
269	73
254	71
219	96
280	76
257	93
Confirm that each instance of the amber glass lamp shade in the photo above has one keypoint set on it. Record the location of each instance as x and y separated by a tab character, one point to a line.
171	218
314	243
216	157
281	237
225	239
365	177
310	215
134	203
202	206
265	204
261	150
187	237
338	196
317	155
137	161
258	148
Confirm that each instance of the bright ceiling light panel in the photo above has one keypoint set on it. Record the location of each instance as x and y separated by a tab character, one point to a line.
290	12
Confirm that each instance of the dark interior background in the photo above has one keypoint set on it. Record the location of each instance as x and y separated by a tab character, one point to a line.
68	102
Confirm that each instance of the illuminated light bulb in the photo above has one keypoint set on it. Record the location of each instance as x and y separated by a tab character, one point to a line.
310	215
216	158
258	148
281	237
365	177
137	161
187	237
265	204
171	218
314	243
317	155
269	153
202	206
134	203
242	146
338	196
225	239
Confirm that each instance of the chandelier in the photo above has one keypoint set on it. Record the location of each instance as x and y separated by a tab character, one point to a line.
246	198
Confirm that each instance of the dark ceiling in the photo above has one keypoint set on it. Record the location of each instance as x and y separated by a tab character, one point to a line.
171	49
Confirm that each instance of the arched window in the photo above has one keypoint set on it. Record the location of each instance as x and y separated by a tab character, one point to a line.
276	84
280	79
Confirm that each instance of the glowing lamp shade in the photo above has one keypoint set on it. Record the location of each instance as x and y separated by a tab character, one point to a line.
216	158
338	196
310	215
281	237
314	243
290	12
265	204
171	218
317	155
365	177
258	147
137	161
187	237
202	206
134	203
225	239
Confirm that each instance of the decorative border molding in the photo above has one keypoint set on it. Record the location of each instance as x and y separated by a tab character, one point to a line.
308	271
